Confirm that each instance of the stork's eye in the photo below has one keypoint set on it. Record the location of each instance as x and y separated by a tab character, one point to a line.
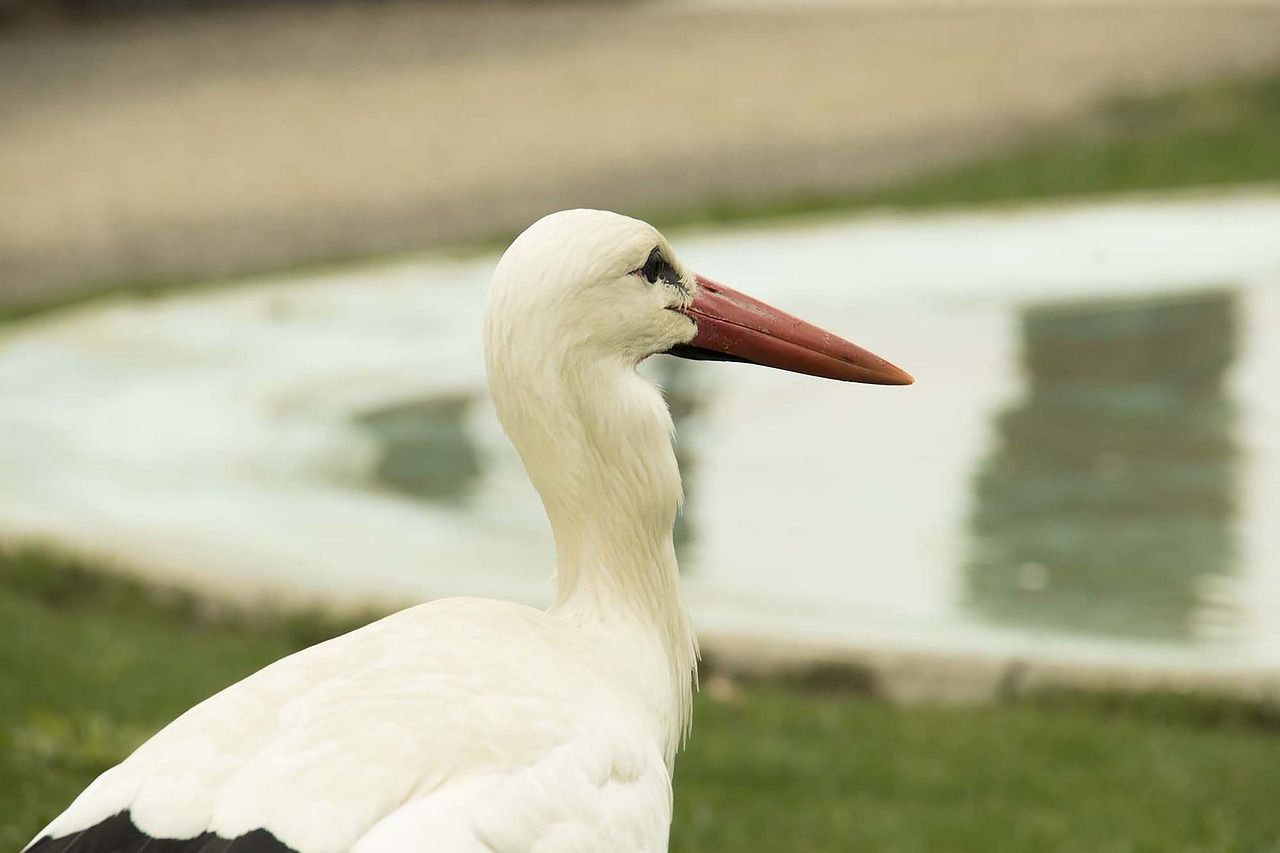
658	268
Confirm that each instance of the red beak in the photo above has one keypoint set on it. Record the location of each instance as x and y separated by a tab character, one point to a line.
734	327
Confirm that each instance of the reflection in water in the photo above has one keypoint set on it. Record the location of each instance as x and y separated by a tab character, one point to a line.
684	401
1108	504
425	449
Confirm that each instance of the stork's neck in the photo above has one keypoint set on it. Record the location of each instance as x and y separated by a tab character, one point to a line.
596	441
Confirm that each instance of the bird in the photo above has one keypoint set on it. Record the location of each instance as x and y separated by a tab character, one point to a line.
470	724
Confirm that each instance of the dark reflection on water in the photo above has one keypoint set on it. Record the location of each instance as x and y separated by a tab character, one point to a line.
426	450
1110	497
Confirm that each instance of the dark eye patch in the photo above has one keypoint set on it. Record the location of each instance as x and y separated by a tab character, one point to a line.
657	268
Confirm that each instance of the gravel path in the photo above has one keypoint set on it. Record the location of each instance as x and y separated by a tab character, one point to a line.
207	144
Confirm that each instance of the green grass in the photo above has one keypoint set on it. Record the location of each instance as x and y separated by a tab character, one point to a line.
91	664
783	771
1224	134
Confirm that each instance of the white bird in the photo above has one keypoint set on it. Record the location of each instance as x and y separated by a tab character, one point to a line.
469	724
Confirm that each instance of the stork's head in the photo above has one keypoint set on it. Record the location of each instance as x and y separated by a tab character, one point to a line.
584	286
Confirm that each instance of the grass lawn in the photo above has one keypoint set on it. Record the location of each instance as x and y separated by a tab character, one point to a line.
1215	135
92	665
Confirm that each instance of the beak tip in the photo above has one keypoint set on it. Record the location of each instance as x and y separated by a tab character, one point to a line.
887	374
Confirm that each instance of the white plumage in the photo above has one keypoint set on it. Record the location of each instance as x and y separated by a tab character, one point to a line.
472	724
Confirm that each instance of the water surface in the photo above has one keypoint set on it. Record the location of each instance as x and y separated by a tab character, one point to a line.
1088	467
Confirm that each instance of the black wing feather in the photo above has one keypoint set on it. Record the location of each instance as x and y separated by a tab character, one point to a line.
117	834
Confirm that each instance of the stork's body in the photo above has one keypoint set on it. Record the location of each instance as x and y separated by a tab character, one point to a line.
480	725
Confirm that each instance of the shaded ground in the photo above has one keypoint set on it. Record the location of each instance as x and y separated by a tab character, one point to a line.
212	143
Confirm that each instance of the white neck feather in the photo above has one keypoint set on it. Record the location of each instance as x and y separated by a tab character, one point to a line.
595	439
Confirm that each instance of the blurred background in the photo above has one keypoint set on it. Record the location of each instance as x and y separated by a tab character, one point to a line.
1029	603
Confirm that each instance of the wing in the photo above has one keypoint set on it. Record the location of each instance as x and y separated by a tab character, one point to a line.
593	794
461	722
117	834
605	790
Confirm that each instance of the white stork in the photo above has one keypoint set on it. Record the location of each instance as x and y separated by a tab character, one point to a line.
470	724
